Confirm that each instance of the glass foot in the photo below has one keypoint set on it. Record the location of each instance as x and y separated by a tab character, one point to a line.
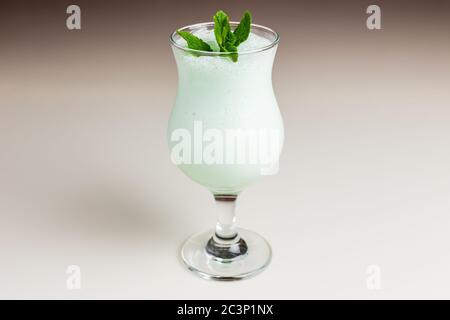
215	258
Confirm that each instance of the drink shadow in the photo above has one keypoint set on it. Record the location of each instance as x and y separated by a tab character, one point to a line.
113	212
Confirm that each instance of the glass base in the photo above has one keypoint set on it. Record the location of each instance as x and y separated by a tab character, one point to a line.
254	259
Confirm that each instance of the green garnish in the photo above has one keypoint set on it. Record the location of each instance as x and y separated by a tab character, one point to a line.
243	29
227	40
222	29
194	42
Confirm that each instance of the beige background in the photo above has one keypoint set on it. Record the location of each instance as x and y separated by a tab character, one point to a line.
85	175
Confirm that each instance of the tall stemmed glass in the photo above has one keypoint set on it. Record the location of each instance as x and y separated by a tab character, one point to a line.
225	131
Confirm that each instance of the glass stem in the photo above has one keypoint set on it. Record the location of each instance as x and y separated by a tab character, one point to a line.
226	216
226	244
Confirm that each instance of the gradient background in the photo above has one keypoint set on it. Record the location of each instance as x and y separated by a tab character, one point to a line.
85	175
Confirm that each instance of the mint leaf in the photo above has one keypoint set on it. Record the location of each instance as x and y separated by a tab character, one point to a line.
194	42
231	39
222	30
243	29
233	51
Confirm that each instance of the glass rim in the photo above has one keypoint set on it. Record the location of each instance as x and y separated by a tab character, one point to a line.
218	53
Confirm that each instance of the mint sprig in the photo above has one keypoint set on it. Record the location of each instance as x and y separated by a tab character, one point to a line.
227	40
194	42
